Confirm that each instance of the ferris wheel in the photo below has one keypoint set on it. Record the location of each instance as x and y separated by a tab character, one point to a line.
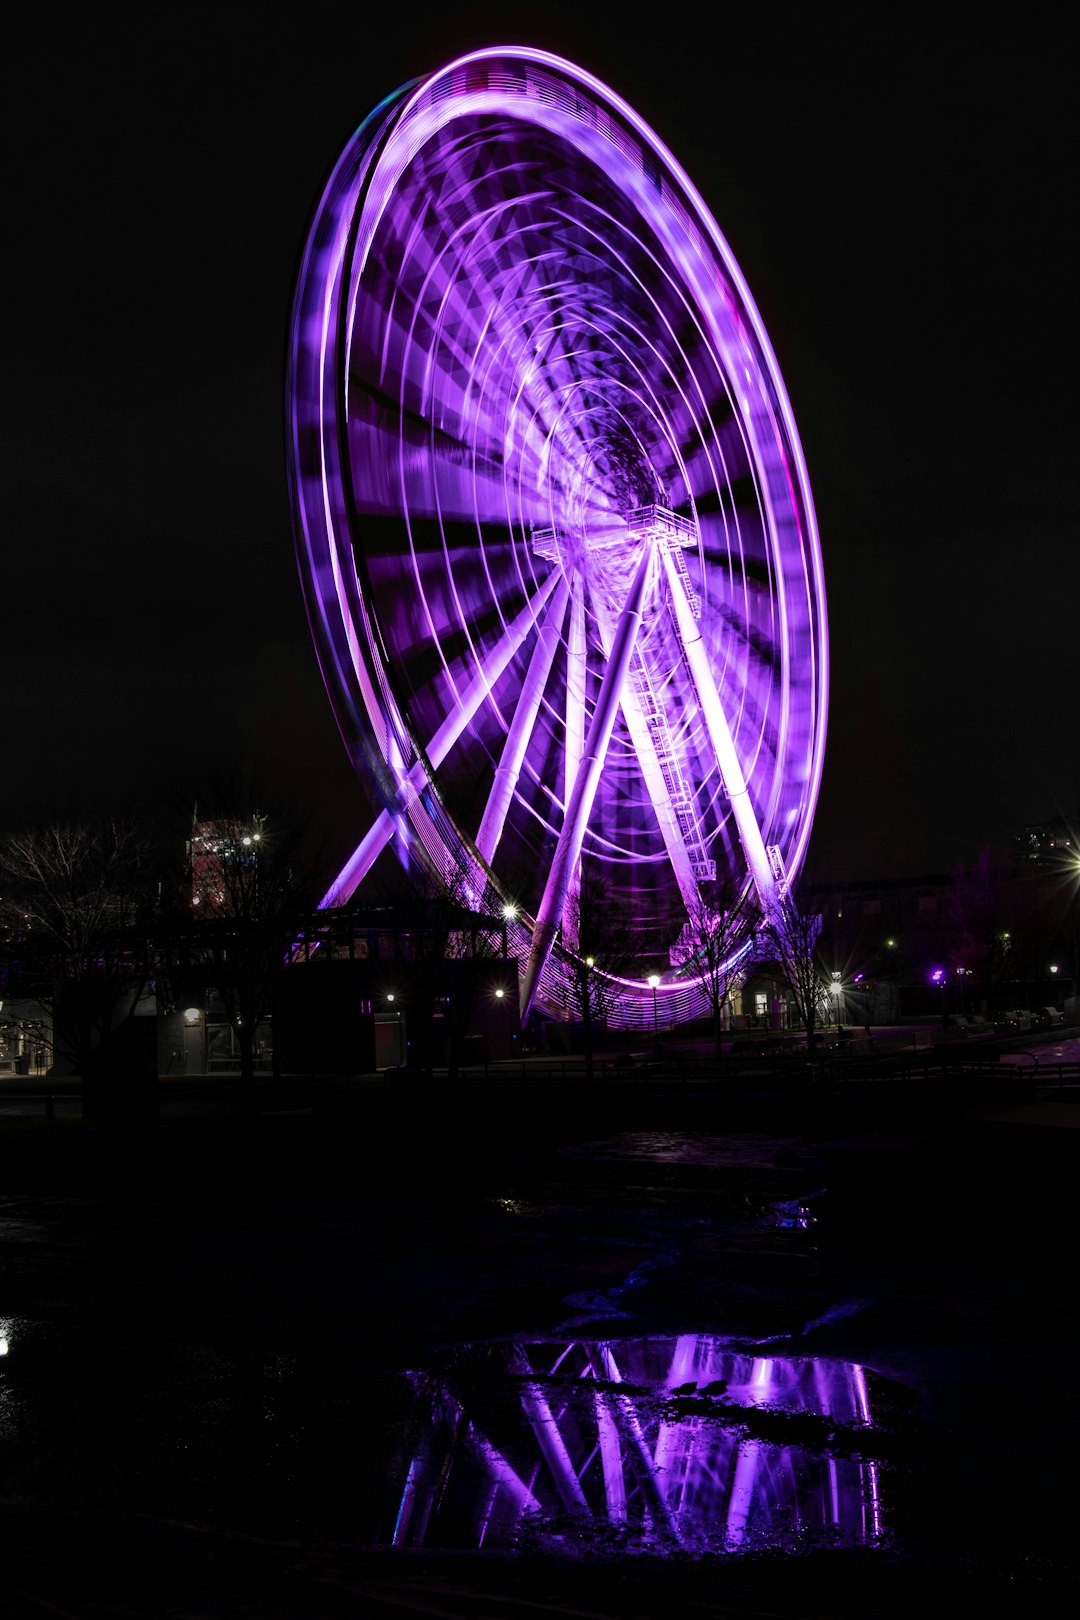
554	525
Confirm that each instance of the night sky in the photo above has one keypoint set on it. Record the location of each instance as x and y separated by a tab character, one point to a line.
902	201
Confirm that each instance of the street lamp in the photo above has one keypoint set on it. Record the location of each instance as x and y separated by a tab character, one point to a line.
398	1028
654	980
962	973
938	978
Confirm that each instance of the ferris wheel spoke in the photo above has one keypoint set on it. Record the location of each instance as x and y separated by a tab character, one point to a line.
579	807
525	711
412	783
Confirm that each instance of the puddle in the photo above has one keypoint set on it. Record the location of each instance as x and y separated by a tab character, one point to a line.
655	1446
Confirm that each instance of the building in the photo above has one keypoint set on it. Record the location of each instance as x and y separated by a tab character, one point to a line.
1049	843
222	853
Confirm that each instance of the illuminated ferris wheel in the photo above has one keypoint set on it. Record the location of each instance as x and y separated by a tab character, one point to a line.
554	525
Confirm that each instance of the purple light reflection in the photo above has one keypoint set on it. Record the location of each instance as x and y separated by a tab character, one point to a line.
655	1446
525	374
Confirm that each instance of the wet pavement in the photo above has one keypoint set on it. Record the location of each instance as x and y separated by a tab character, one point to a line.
641	1353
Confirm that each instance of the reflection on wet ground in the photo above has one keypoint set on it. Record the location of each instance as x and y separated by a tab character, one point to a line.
596	1344
656	1446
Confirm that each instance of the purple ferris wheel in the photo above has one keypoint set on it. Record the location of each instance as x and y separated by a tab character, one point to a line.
554	525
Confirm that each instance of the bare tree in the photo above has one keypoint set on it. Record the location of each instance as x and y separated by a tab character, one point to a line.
719	923
78	913
788	938
249	887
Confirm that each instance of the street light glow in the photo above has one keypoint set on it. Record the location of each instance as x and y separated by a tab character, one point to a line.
654	980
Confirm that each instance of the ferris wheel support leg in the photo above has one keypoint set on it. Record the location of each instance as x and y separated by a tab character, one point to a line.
385	824
568	848
517	739
653	777
576	677
735	784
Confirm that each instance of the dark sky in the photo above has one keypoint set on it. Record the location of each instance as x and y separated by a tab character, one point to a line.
902	201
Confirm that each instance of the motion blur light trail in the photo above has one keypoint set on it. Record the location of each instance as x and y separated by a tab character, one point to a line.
554	525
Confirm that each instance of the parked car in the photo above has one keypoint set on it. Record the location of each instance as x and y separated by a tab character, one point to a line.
1054	1015
970	1024
1008	1020
1018	1018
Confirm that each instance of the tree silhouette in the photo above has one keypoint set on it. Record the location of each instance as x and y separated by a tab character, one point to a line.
248	888
78	938
788	938
720	923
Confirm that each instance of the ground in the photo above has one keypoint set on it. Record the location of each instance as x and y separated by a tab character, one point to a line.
197	1423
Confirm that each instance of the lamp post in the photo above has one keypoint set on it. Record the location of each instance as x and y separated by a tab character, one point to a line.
399	1043
938	978
654	980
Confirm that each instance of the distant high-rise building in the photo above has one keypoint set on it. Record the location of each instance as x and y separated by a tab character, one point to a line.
214	847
